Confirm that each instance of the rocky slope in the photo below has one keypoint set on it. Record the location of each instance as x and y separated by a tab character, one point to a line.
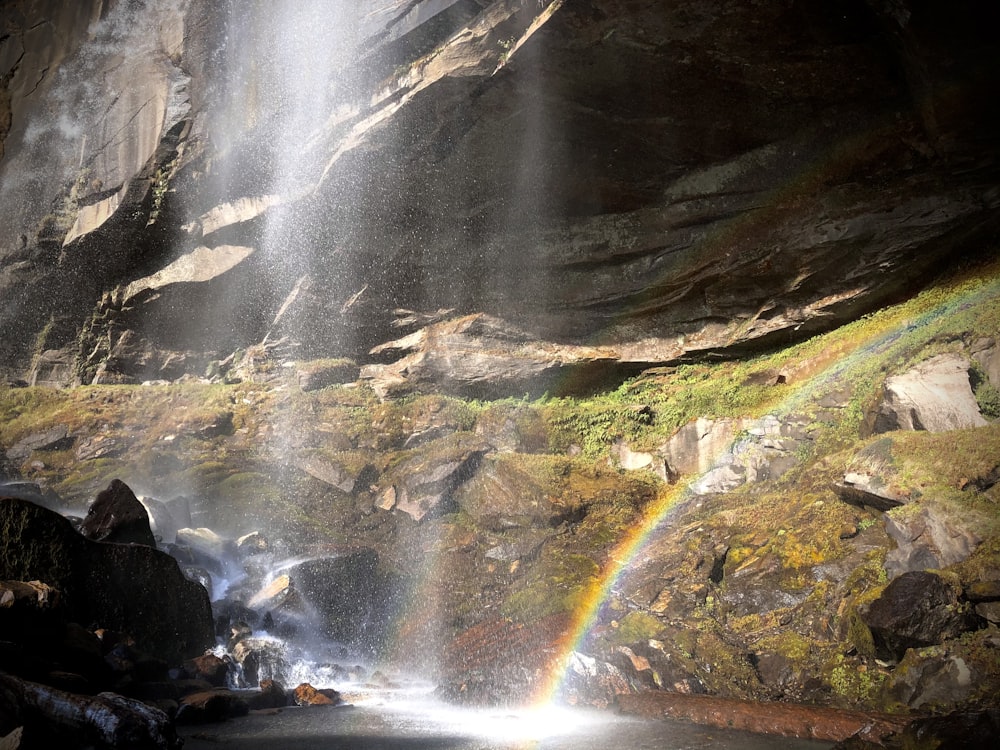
769	530
177	184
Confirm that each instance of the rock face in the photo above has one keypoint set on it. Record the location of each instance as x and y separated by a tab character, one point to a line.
917	609
935	396
125	587
176	189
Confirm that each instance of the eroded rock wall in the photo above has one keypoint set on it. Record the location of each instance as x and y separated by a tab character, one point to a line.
662	180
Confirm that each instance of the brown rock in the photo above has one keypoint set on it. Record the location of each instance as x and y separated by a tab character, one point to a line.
209	667
306	695
783	719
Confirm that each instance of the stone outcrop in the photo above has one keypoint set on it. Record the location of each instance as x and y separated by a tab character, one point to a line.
917	609
572	169
927	539
936	395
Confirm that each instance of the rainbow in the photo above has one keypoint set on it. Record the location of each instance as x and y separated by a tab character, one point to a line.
672	498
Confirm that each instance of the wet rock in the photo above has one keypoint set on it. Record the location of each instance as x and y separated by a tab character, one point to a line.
927	539
260	660
209	667
206	547
125	587
106	719
271	695
936	396
316	375
208	706
31	492
116	515
162	522
352	596
782	719
336	473
254	543
917	609
306	695
973	730
498	662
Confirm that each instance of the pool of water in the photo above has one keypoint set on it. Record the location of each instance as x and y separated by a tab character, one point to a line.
425	724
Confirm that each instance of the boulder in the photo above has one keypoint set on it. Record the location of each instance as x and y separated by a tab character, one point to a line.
722	454
125	587
306	695
116	515
868	490
960	730
209	706
352	596
425	483
917	609
927	538
31	492
936	396
209	667
54	439
271	695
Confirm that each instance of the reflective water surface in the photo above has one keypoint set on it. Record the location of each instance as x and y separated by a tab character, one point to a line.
424	724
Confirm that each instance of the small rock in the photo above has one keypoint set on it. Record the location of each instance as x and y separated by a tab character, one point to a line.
306	695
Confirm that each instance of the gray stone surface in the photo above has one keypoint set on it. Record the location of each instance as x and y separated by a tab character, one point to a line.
936	396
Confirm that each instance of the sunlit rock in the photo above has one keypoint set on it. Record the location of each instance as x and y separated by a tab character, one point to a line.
869	490
481	355
207	546
425	483
936	396
306	695
929	539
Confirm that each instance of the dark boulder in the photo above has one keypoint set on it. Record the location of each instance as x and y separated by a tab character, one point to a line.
974	730
917	609
116	515
125	587
353	597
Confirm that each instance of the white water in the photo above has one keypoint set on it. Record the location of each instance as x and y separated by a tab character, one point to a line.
409	722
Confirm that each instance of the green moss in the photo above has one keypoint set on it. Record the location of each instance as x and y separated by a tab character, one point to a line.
853	682
636	627
556	585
